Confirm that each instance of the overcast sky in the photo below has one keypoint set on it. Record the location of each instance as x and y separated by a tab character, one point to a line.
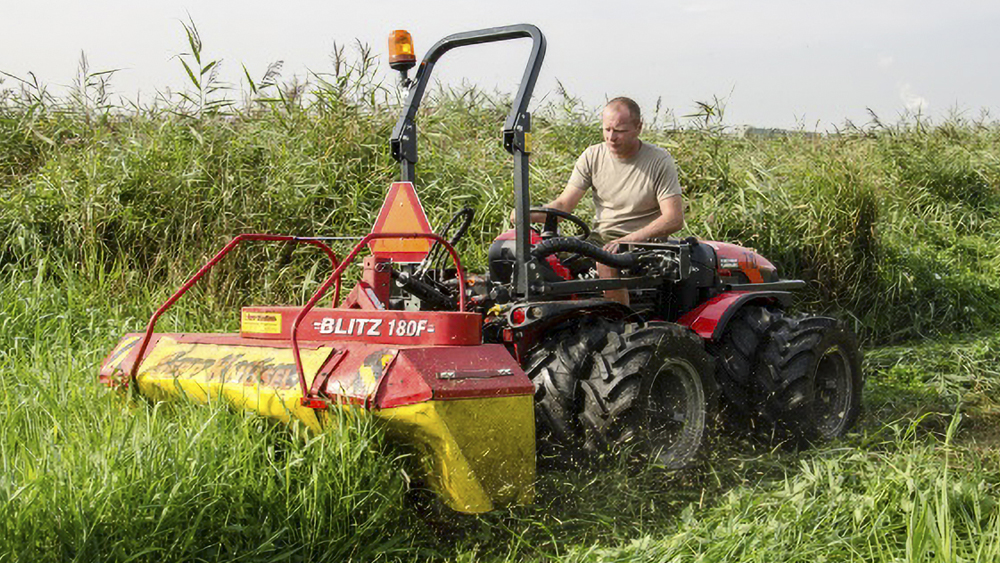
775	62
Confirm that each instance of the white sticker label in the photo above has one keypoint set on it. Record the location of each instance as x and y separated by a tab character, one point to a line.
374	327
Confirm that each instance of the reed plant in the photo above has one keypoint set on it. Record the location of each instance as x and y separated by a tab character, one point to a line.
893	227
108	206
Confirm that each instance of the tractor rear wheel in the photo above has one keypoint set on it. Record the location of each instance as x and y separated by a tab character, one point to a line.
653	390
809	378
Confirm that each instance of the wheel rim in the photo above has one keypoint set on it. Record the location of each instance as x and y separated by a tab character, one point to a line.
674	421
834	388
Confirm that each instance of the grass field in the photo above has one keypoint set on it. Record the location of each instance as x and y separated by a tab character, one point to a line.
106	208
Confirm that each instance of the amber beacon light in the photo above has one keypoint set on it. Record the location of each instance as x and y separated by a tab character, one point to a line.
401	54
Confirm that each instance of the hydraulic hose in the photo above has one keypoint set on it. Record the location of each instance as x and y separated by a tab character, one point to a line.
424	290
625	260
436	253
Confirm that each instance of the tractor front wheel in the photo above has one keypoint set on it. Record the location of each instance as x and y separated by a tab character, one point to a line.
556	367
652	390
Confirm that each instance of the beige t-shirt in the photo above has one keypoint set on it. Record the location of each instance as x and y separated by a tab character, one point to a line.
627	193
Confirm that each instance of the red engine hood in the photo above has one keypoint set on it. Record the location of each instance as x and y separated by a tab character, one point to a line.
733	258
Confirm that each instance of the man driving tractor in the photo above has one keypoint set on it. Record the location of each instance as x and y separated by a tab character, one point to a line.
636	190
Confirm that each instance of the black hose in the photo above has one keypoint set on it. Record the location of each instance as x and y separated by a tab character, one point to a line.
576	246
467	214
437	252
424	290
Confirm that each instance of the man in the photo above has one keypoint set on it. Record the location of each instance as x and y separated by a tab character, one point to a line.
637	196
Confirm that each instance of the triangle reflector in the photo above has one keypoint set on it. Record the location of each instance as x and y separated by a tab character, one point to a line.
401	213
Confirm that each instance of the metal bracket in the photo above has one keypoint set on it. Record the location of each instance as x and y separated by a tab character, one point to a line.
474	373
404	149
519	138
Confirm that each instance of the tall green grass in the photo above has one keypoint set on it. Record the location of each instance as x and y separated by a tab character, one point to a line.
90	474
107	206
894	227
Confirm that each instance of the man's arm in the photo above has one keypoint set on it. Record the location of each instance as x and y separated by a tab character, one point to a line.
670	221
567	201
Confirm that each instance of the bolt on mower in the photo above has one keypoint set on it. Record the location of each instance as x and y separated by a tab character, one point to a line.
468	368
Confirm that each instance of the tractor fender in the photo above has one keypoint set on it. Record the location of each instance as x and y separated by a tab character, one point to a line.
709	319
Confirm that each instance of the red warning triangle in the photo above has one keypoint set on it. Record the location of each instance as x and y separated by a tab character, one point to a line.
401	213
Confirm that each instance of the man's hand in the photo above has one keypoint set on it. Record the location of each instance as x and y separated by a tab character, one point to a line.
534	218
612	246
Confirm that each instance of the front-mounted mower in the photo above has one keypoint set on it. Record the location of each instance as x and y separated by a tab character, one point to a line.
464	367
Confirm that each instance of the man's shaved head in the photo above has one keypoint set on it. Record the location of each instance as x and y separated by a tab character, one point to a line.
630	105
621	123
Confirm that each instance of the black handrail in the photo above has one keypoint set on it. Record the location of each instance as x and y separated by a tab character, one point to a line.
404	138
516	130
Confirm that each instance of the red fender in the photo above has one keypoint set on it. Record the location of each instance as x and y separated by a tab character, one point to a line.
709	319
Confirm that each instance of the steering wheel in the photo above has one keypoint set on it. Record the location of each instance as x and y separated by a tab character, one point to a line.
551	227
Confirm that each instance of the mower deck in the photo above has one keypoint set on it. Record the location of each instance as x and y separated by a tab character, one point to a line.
466	406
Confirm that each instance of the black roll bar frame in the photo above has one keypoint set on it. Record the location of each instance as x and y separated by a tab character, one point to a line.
516	131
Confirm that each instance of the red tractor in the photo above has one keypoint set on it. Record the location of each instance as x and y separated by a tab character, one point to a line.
606	374
465	367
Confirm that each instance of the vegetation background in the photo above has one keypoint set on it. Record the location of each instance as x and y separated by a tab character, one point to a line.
107	206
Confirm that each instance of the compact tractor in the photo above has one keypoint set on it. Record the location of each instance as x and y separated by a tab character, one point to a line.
469	368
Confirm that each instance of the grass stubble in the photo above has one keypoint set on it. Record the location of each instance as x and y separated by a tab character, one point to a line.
107	206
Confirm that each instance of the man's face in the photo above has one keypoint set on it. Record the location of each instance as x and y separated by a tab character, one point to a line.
621	134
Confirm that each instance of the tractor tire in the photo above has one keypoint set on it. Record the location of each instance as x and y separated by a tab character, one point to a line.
809	378
652	390
556	367
737	351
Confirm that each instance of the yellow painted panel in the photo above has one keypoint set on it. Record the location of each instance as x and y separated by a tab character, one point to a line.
120	352
259	379
477	453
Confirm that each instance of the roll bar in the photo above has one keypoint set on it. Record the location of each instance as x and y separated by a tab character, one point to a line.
516	128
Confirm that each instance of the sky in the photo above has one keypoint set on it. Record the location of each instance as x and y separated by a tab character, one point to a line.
773	63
